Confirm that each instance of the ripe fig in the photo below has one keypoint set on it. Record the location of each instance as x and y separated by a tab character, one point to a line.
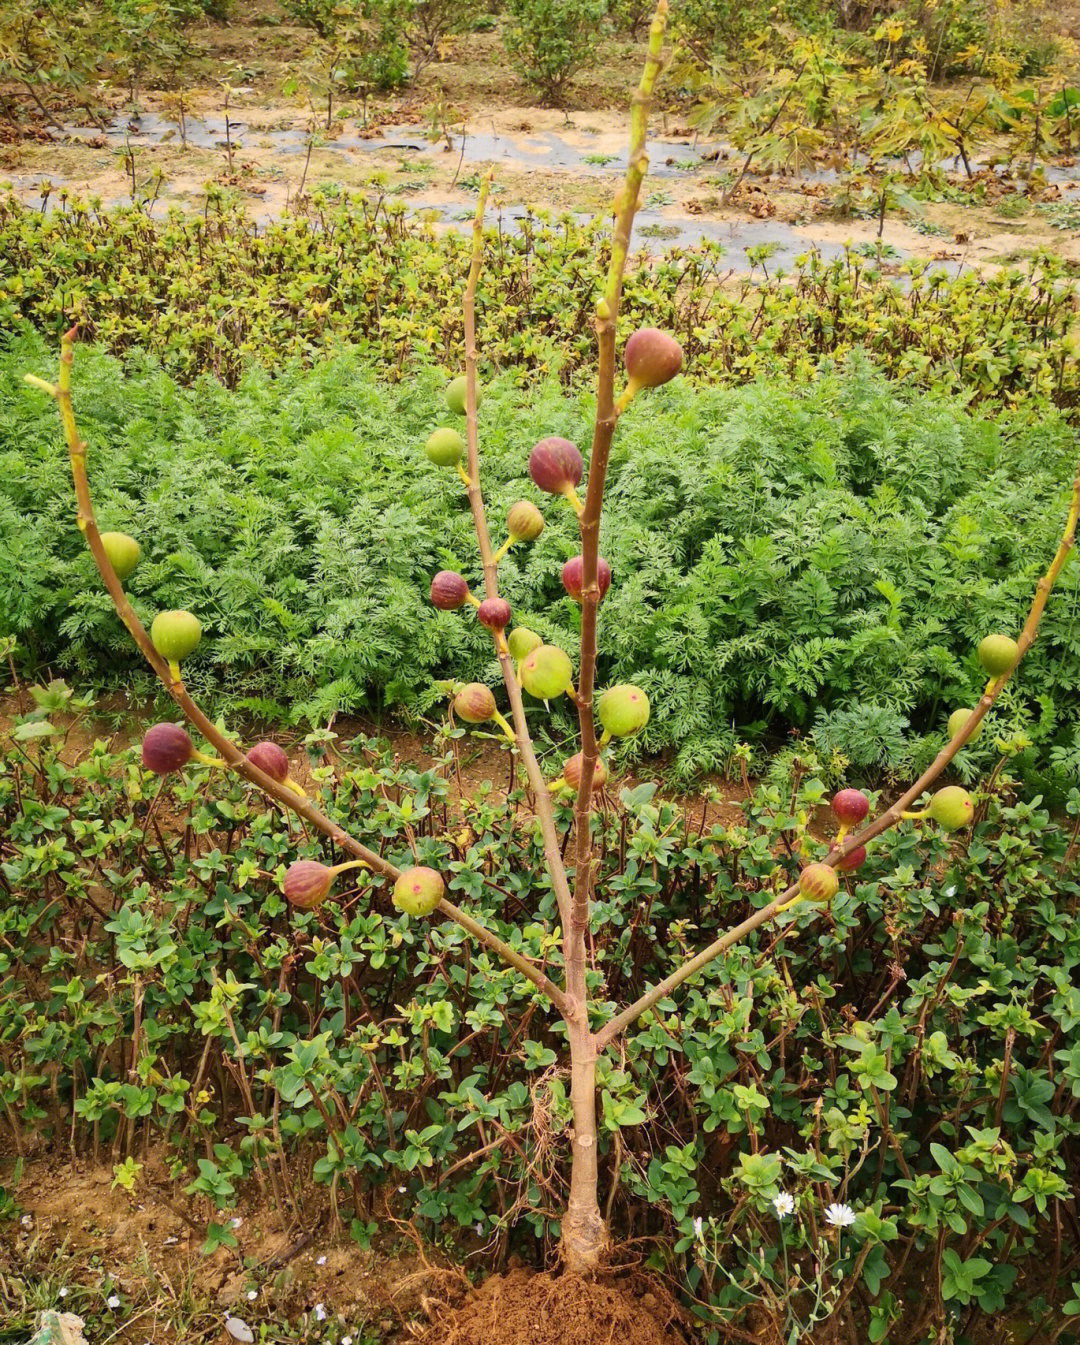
853	860
547	672
572	772
455	395
958	719
165	748
475	703
445	448
556	466
998	653
572	576
952	808
652	358
123	552
521	642
524	522
494	613
175	635
307	883
418	891
851	806
270	759
623	710
818	882
449	591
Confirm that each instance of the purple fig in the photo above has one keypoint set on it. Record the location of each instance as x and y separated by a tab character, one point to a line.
556	466
851	806
166	748
572	772
475	703
449	591
494	613
307	883
270	759
573	576
855	859
652	357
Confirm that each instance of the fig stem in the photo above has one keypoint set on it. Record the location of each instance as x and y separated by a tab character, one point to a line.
210	761
572	497
350	864
464	476
556	785
174	671
501	721
41	383
471	597
914	815
294	786
627	396
505	548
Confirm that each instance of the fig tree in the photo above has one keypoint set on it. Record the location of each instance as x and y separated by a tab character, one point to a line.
556	466
850	806
445	448
546	672
952	808
572	579
818	882
652	358
494	613
958	719
456	391
521	642
418	891
623	710
123	552
998	653
175	635
475	703
449	591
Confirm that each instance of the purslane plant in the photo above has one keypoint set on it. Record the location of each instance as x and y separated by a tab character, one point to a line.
545	672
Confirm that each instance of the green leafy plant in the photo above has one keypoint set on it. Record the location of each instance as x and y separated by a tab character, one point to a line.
549	41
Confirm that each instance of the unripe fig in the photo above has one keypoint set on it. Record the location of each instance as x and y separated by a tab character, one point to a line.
851	806
547	672
270	759
572	579
572	772
418	891
445	448
556	466
475	703
123	552
449	591
818	882
958	719
952	808
456	393
494	613
623	710
165	748
524	522
652	357
998	653
307	883
175	635
521	642
855	859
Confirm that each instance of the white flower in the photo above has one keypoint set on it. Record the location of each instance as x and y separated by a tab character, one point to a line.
235	1223
479	1229
27	1221
784	1204
401	1190
346	1340
112	1301
320	1260
253	1294
239	1330
840	1216
699	1227
320	1312
64	1292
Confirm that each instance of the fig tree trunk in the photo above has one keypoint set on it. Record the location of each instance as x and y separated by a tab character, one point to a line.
584	1233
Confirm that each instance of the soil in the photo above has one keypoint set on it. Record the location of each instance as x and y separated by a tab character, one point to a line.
522	1308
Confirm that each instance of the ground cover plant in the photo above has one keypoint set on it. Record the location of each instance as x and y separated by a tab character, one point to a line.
822	560
591	1019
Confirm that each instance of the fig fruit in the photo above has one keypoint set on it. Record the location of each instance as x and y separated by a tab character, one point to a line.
556	466
652	357
524	522
307	883
123	552
572	772
455	394
998	653
958	719
418	891
623	710
166	748
475	703
851	806
818	882
445	448
175	635
855	859
449	591
546	672
952	808
494	613
521	642
270	759
572	576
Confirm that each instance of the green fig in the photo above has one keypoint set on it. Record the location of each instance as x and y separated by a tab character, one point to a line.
998	653
547	672
952	808
175	635
455	395
418	891
521	642
958	719
818	882
445	448
123	553
623	710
